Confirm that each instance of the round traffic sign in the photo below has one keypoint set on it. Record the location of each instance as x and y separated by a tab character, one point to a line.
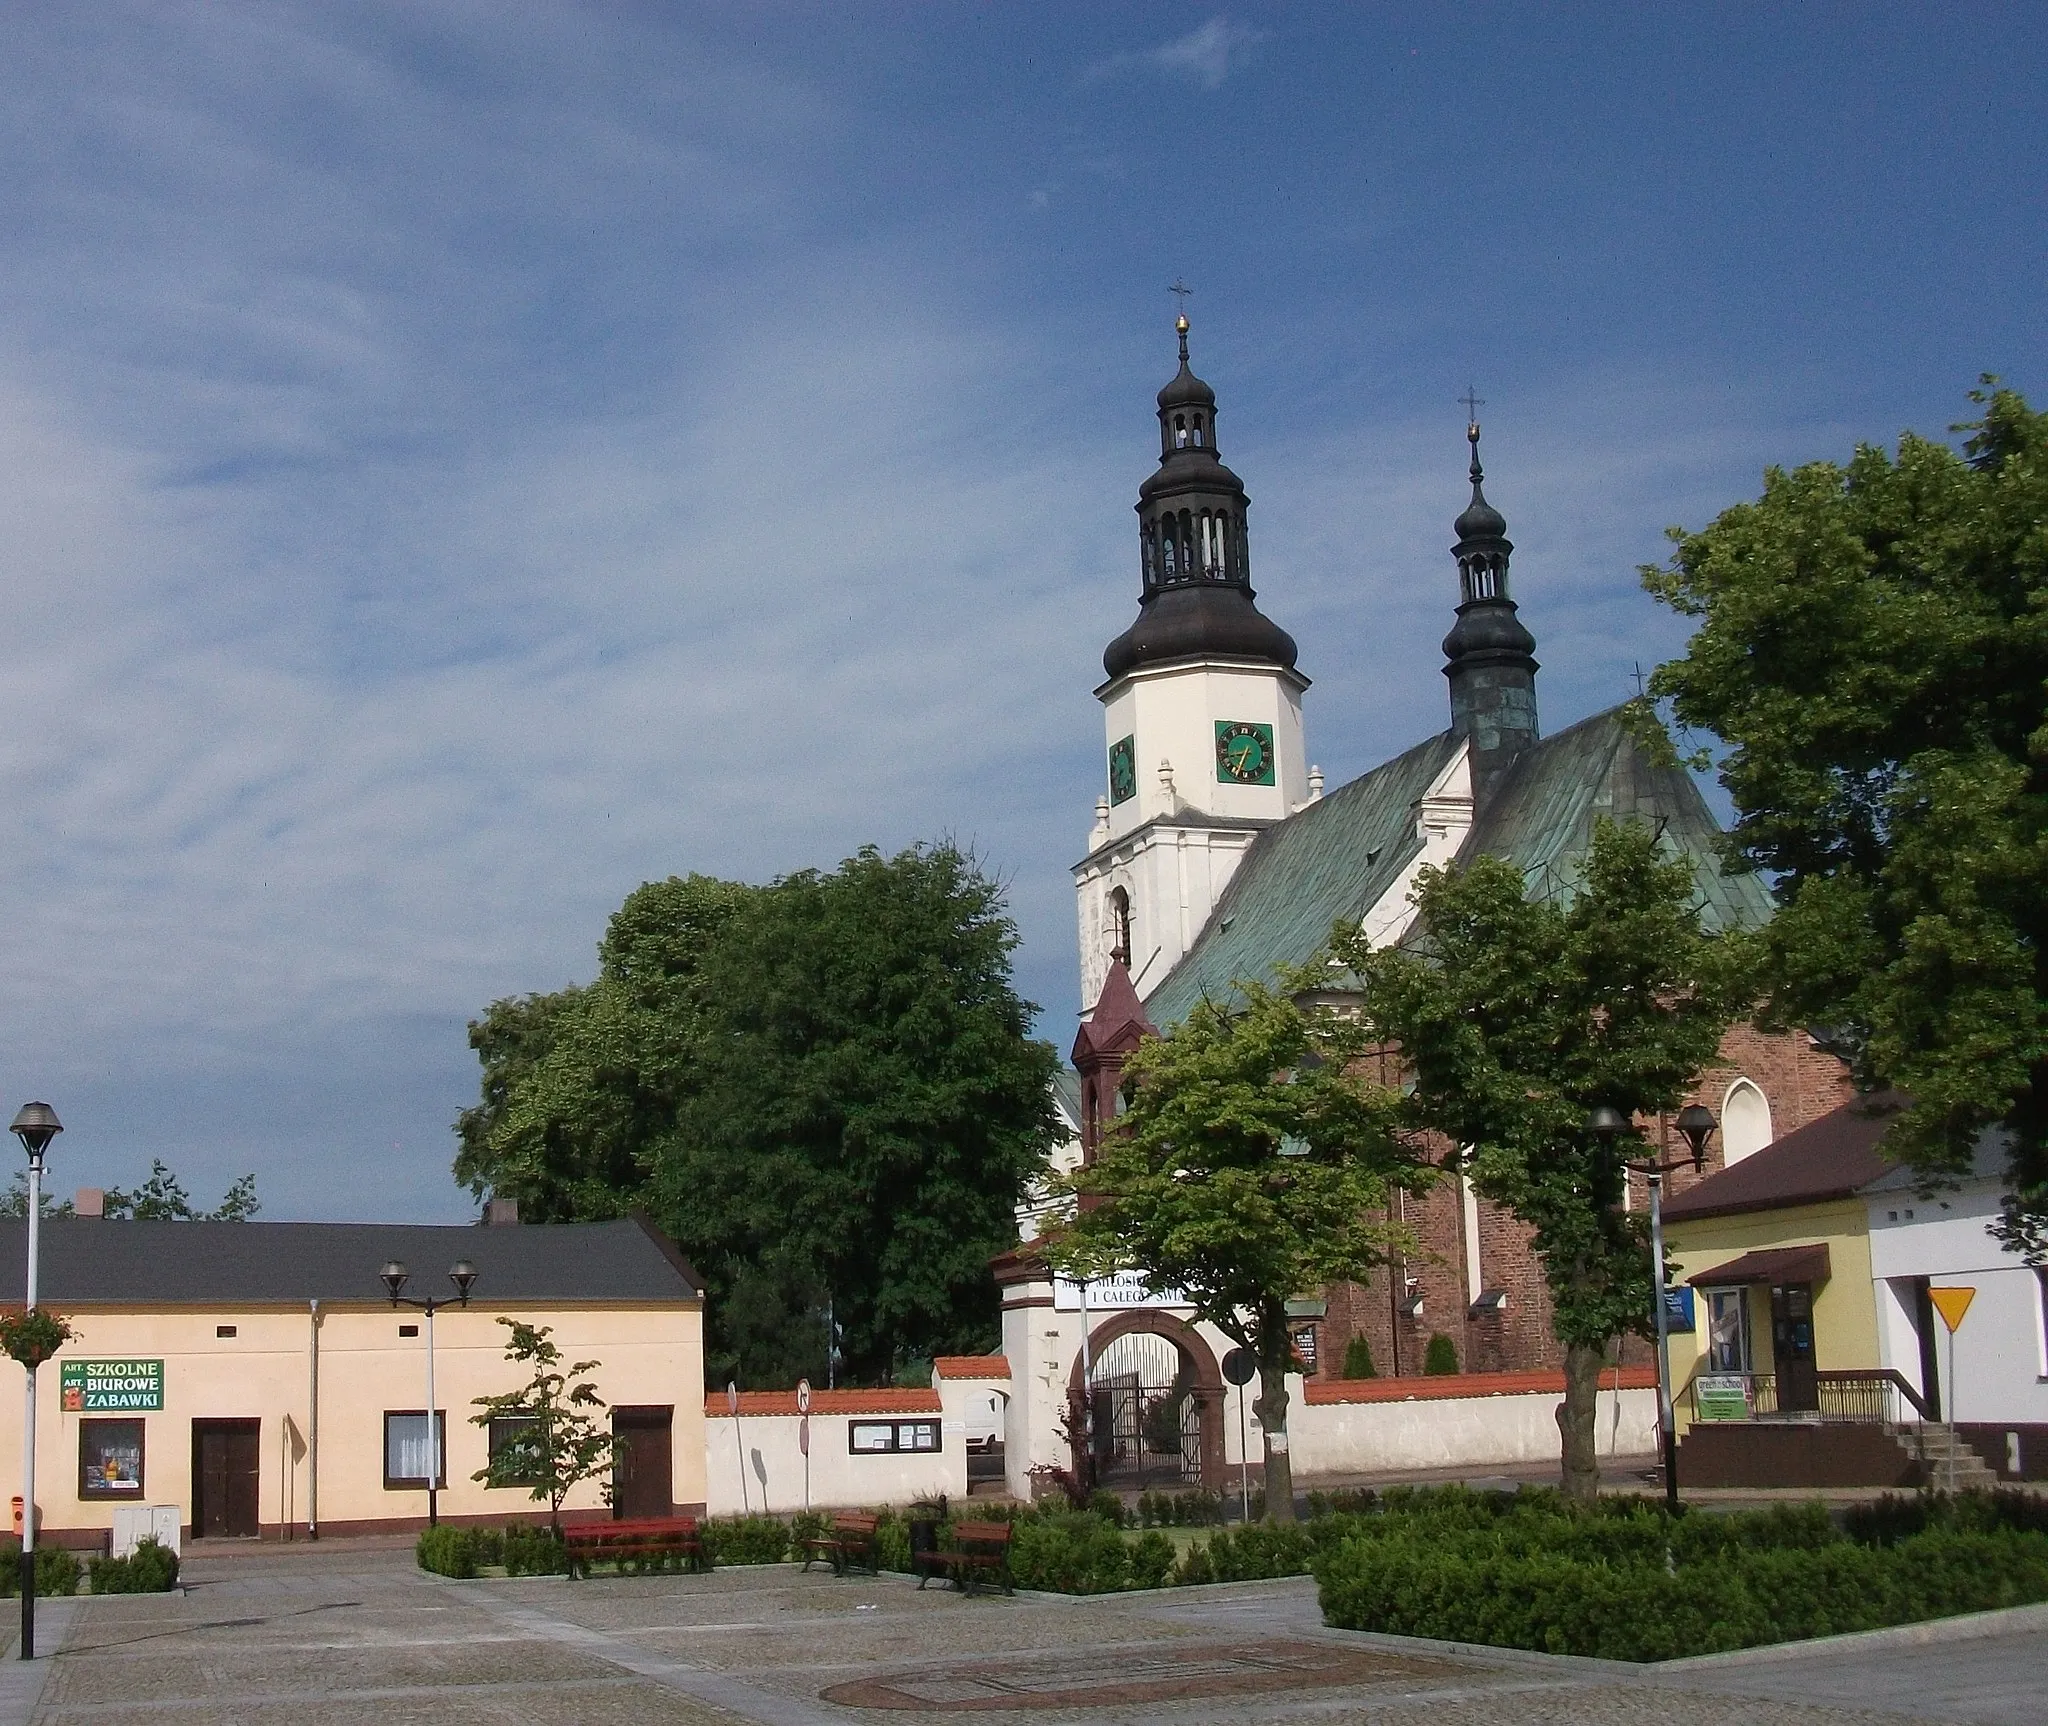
1240	1366
803	1396
732	1397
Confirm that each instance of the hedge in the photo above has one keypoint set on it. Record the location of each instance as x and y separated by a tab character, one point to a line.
57	1571
151	1568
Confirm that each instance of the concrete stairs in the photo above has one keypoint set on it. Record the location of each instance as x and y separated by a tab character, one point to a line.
1936	1446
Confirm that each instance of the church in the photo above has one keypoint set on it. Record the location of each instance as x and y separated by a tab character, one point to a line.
1217	854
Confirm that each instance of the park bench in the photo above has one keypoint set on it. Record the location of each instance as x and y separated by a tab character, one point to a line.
850	1545
645	1543
979	1553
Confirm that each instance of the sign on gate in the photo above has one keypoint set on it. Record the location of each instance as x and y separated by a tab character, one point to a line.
1723	1396
1125	1290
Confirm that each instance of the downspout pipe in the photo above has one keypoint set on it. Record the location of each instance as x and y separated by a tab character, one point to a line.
313	1422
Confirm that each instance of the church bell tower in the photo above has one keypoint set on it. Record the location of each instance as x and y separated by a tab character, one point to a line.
1489	656
1201	710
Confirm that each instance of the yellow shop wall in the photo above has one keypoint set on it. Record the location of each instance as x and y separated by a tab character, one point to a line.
648	1356
1844	1307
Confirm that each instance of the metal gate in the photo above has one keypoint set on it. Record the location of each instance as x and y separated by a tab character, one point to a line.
1147	1416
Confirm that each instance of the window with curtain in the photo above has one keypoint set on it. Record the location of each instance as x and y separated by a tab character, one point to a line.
405	1450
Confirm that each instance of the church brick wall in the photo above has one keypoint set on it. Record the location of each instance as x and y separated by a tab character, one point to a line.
1800	1081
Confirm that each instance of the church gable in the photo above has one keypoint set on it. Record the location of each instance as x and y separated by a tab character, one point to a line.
1541	816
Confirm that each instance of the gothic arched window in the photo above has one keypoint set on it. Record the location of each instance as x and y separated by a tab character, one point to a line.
1745	1121
1180	431
1120	924
1198	431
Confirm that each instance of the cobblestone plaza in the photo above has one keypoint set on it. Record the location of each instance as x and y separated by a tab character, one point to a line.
318	1637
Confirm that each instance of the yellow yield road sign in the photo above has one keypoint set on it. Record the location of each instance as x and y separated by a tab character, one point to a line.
1952	1303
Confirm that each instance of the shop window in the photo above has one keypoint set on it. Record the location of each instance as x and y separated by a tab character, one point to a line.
1728	1330
515	1441
405	1450
110	1459
891	1437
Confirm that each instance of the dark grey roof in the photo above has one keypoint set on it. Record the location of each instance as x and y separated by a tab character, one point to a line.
1331	861
96	1262
1066	1090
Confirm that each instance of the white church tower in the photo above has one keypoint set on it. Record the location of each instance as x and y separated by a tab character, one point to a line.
1201	713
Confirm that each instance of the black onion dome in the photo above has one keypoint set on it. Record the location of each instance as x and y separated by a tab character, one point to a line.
1187	470
1184	389
1487	626
1480	520
1201	620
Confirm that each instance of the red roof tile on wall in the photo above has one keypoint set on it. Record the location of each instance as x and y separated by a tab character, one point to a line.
959	1366
759	1402
1465	1384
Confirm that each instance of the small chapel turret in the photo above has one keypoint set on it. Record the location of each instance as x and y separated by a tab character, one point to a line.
1201	710
1489	655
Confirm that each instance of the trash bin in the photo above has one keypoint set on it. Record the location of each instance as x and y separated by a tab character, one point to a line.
925	1516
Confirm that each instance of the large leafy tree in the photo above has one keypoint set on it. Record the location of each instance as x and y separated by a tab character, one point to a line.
1518	1018
161	1198
825	1089
1873	647
1252	1164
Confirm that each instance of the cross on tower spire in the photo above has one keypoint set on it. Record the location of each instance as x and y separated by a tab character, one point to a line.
1473	403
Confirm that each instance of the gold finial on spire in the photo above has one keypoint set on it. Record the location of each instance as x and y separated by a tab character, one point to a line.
1180	290
1181	323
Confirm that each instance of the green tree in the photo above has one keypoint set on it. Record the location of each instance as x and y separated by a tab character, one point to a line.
824	1089
1873	647
552	1437
161	1198
1197	1188
1520	1017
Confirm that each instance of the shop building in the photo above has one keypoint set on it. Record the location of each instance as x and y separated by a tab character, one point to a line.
258	1377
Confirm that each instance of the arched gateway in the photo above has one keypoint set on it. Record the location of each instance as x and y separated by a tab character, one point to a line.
1157	1404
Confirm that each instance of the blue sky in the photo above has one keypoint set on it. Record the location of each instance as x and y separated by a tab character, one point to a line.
458	461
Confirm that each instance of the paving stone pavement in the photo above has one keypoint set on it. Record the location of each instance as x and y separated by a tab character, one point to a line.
320	1637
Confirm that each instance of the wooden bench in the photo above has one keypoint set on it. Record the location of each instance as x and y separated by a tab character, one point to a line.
652	1542
980	1553
850	1545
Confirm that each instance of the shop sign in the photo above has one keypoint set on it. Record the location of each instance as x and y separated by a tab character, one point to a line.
102	1386
1678	1310
1721	1397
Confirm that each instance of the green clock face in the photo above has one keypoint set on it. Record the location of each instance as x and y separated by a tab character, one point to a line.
1244	752
1123	770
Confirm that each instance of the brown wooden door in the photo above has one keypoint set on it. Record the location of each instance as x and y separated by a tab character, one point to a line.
643	1472
225	1459
1792	1347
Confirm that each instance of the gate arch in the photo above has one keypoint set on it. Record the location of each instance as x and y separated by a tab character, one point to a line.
1204	1380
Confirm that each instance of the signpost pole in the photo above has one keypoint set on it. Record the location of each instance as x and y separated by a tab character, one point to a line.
1952	1304
433	1432
1953	1437
739	1444
1667	1437
803	1433
1087	1396
28	1429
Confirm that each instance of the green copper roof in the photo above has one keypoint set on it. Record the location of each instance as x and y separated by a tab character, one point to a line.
1336	858
1300	876
1541	817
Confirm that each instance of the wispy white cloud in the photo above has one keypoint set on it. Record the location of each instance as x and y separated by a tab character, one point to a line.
1209	53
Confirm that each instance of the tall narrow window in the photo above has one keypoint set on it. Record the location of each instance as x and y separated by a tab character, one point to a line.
1120	924
1728	1330
1745	1121
1198	431
1180	431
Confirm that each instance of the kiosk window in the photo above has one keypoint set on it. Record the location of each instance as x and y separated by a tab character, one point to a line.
891	1437
110	1459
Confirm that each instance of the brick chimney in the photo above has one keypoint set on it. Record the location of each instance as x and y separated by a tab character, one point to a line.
90	1202
501	1213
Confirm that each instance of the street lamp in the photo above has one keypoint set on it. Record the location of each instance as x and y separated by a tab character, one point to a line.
1696	1124
35	1126
395	1276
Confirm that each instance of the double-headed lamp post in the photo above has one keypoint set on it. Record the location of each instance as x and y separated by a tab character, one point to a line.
1696	1124
35	1126
395	1276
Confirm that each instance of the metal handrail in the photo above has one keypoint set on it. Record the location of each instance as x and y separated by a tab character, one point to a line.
1860	1398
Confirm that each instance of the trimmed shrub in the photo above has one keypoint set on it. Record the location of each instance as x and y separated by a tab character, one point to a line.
1358	1359
447	1551
1151	1560
1440	1359
1344	1501
152	1568
1107	1505
746	1540
532	1552
1196	1509
57	1571
1070	1552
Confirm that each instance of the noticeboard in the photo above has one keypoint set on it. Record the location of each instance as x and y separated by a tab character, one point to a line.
110	1386
1678	1310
